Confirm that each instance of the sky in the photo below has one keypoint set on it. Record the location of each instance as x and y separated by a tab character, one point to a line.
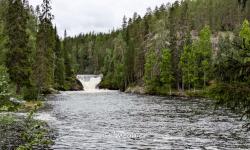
83	16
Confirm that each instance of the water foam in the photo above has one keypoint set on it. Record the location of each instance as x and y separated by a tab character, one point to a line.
90	82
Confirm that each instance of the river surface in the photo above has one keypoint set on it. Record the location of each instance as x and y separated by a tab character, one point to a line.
114	120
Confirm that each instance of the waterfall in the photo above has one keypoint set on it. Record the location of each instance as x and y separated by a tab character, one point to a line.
90	82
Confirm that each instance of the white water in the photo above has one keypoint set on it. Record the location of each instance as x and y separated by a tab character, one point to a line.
90	82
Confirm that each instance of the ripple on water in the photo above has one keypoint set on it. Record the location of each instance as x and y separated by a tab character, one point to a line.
114	120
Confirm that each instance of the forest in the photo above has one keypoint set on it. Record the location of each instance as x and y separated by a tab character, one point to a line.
34	59
190	47
195	48
190	59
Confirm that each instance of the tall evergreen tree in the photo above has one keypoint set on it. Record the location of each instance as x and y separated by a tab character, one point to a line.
45	57
59	75
69	72
3	36
129	56
17	59
175	51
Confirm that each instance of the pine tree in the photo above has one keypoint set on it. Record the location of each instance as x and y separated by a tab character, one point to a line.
17	58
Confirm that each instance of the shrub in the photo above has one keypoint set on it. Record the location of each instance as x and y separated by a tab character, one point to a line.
235	96
30	93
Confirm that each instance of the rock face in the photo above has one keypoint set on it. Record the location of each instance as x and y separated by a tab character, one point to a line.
77	86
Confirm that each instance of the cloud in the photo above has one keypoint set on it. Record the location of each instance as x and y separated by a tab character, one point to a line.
83	16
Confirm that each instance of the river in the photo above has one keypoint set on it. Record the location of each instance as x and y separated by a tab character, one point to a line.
115	120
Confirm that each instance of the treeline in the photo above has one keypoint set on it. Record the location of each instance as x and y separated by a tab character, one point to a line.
185	46
33	58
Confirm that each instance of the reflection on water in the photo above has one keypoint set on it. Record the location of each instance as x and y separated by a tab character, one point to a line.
114	120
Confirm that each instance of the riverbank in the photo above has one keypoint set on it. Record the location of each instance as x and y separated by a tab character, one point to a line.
19	130
175	93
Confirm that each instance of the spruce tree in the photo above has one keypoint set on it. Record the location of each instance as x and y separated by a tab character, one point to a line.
45	57
17	58
129	56
173	33
69	72
59	74
3	37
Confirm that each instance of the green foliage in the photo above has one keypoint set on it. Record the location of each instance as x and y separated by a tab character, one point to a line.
3	38
24	133
166	69
113	70
235	96
161	50
69	70
6	120
203	56
30	93
59	71
18	55
189	67
232	72
31	49
151	78
245	35
45	44
35	134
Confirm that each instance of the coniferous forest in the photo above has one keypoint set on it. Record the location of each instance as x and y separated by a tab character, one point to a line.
189	48
200	48
33	56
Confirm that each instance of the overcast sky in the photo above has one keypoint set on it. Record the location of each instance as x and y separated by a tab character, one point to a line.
82	16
